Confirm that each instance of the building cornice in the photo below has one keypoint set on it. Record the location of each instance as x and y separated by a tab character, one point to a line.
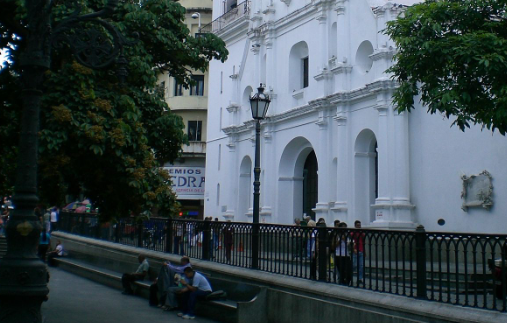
383	53
395	9
363	92
320	105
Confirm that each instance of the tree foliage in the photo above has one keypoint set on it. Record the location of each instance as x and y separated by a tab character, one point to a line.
97	136
454	54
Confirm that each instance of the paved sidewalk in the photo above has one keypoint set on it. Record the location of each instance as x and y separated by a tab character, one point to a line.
73	299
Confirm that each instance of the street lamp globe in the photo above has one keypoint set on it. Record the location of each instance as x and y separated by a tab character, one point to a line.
197	15
259	104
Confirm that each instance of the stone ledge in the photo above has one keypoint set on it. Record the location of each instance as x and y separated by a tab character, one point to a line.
399	308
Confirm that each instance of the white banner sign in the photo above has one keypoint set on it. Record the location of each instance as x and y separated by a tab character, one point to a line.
187	180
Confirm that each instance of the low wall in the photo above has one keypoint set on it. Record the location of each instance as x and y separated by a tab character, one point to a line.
292	299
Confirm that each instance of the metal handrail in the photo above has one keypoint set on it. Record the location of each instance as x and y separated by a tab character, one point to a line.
241	10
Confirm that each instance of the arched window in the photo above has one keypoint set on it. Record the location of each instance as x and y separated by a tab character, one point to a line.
299	65
245	113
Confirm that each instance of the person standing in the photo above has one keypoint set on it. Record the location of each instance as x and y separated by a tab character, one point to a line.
178	237
358	251
38	212
342	255
228	240
199	288
296	240
310	245
46	220
54	219
216	236
44	242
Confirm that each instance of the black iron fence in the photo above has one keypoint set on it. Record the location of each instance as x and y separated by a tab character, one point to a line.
457	268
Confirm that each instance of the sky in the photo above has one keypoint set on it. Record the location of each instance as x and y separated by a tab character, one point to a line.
2	57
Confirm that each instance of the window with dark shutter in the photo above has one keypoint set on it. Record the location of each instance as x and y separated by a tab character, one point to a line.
194	130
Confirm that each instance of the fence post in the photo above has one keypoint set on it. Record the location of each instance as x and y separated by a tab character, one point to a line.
168	236
206	236
420	249
117	231
255	245
140	234
322	256
82	226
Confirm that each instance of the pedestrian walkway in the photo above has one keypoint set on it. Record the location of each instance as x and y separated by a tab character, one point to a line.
79	300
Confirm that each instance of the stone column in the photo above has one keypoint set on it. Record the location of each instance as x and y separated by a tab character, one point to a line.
392	207
324	152
340	208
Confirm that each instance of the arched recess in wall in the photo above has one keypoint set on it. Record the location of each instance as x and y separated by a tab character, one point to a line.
365	175
363	61
299	58
245	113
297	158
334	176
333	41
263	69
244	188
218	194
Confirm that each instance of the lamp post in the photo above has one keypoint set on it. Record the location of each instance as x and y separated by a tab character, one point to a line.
259	104
197	15
23	277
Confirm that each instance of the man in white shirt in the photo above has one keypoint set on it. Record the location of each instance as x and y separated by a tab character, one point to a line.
54	219
199	288
57	252
140	273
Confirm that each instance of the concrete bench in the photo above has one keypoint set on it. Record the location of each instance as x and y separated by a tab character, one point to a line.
104	276
244	302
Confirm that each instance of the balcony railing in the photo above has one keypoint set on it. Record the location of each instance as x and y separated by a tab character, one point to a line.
241	10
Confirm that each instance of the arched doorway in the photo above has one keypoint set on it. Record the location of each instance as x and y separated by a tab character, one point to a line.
365	176
297	182
310	184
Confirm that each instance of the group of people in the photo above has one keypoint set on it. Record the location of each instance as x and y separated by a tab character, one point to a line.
5	212
220	236
176	286
345	249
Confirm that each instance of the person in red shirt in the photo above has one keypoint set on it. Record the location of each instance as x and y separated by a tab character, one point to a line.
358	251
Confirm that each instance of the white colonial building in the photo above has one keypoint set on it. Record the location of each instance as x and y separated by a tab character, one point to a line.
332	145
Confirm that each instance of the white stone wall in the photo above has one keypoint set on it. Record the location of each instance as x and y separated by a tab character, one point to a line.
343	113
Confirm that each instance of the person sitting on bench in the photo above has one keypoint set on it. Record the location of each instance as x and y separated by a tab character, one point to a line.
140	273
165	279
57	252
199	288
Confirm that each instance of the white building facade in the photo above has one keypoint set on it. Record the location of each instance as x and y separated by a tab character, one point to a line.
332	145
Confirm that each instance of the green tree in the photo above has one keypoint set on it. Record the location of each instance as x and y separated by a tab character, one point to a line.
454	54
97	136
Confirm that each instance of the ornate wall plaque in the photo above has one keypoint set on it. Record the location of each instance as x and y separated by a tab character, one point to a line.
477	191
